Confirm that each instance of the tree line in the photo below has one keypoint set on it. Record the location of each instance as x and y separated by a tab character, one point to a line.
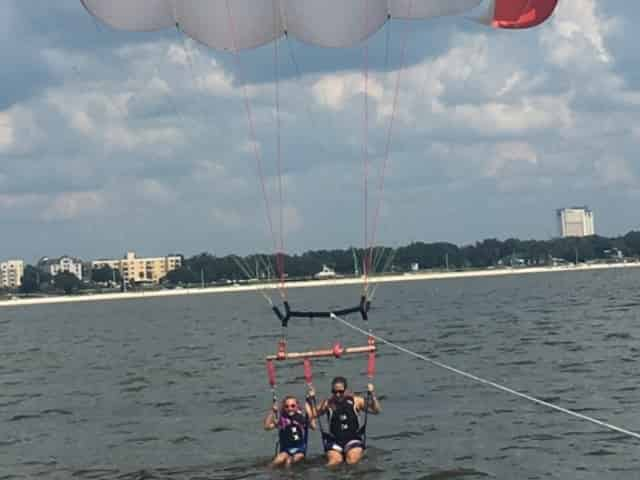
207	268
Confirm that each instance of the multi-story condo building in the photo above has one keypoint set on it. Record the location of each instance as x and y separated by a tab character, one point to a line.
11	273
575	222
54	266
142	270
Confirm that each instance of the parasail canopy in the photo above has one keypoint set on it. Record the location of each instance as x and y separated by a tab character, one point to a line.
242	24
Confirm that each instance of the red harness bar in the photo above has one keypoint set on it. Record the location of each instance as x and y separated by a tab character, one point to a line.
336	351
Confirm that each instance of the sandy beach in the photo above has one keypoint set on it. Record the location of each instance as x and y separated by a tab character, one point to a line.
236	288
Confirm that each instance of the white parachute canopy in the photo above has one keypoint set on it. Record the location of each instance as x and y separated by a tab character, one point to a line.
242	24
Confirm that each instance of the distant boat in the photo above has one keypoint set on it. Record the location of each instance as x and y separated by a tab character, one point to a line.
325	273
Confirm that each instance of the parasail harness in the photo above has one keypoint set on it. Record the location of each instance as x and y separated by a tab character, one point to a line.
336	351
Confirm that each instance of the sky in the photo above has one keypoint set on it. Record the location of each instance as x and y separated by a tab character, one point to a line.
113	141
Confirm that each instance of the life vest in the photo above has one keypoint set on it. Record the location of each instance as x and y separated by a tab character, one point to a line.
292	430
344	424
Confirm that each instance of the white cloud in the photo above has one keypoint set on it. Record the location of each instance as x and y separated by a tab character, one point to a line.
524	116
104	119
156	138
227	217
216	81
510	153
19	132
73	205
509	84
612	172
293	221
576	35
157	192
7	137
17	201
335	90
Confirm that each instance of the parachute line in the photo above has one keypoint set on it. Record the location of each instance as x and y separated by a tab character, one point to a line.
385	161
253	137
280	254
366	265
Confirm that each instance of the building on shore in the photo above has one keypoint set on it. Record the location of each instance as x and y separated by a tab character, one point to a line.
141	270
575	222
54	266
11	273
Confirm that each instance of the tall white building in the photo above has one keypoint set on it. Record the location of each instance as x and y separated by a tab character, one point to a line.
63	264
575	222
11	273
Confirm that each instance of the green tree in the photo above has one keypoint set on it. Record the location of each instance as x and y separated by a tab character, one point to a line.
33	278
182	275
67	282
105	274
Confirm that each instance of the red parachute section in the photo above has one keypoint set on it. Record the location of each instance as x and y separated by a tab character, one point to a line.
518	14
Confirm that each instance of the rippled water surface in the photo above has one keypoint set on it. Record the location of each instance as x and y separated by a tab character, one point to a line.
175	387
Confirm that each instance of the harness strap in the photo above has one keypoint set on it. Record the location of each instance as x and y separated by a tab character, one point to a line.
371	371
363	429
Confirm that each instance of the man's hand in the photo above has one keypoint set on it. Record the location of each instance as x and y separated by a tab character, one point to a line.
371	389
274	407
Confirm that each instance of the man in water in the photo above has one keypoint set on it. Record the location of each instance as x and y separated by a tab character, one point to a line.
345	443
293	424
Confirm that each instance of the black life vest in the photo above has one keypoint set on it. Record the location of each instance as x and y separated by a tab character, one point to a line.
292	430
344	424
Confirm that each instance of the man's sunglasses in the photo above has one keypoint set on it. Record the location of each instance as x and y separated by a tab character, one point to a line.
338	392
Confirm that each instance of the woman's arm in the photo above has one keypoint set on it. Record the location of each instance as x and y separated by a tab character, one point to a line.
374	405
270	420
312	419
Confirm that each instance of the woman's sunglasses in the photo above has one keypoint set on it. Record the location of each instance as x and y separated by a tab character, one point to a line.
291	405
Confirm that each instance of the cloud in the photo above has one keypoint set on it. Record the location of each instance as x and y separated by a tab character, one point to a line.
73	205
19	132
615	172
98	124
334	91
576	37
7	138
157	192
508	154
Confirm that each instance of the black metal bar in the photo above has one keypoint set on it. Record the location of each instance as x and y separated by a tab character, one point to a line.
362	309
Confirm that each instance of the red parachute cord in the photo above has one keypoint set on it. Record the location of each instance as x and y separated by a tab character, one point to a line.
366	263
383	170
280	254
252	134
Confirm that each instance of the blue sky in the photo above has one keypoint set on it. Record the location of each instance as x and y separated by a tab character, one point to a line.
113	141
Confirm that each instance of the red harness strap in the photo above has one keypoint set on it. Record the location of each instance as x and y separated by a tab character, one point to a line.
371	364
271	373
308	377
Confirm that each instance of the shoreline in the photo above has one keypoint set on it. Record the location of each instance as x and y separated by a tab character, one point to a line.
334	282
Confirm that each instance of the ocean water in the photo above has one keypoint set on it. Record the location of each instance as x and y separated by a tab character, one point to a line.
175	387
